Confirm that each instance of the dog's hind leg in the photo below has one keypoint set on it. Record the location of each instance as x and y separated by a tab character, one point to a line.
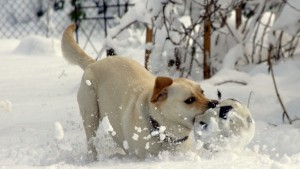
88	104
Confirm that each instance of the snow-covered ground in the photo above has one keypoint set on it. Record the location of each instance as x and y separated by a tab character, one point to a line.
40	124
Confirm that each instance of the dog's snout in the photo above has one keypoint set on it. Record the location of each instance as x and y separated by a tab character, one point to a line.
213	103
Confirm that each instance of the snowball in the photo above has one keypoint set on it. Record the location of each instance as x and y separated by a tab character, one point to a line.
154	133
88	82
138	129
125	145
147	146
147	137
6	105
162	137
135	136
162	129
225	127
58	131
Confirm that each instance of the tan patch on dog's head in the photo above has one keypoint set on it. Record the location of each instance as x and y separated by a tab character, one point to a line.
159	92
192	94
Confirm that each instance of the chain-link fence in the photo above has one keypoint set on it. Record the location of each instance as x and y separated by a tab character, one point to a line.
49	18
19	18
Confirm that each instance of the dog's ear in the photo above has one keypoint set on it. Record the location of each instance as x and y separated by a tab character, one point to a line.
160	88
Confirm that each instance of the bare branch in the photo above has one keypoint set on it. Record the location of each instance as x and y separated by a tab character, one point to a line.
285	114
231	81
290	5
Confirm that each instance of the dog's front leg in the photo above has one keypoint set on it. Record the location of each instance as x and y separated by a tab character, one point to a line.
88	104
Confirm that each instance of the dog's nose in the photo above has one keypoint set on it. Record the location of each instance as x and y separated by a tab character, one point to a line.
213	103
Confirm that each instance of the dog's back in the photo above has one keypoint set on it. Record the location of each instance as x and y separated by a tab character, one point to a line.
116	87
113	66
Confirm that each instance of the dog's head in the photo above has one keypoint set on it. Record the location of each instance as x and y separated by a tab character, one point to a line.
228	124
180	100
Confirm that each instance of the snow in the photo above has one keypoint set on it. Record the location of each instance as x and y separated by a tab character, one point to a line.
105	123
59	131
290	11
232	57
41	127
6	105
38	46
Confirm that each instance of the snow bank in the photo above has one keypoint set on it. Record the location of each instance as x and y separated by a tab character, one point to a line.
38	46
228	76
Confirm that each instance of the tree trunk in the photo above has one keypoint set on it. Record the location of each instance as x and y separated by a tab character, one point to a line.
149	36
206	43
238	15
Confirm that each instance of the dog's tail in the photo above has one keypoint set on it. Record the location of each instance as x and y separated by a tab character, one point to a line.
72	52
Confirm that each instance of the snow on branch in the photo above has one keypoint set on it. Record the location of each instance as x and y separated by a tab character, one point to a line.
241	32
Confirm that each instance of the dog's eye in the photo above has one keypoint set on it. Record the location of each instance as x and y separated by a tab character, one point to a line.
190	100
224	111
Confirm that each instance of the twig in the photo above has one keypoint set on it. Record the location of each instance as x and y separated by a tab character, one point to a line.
229	29
62	74
231	81
256	18
280	46
285	114
292	47
285	1
249	98
219	94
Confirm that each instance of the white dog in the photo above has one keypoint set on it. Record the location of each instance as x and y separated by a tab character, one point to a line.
228	125
148	114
